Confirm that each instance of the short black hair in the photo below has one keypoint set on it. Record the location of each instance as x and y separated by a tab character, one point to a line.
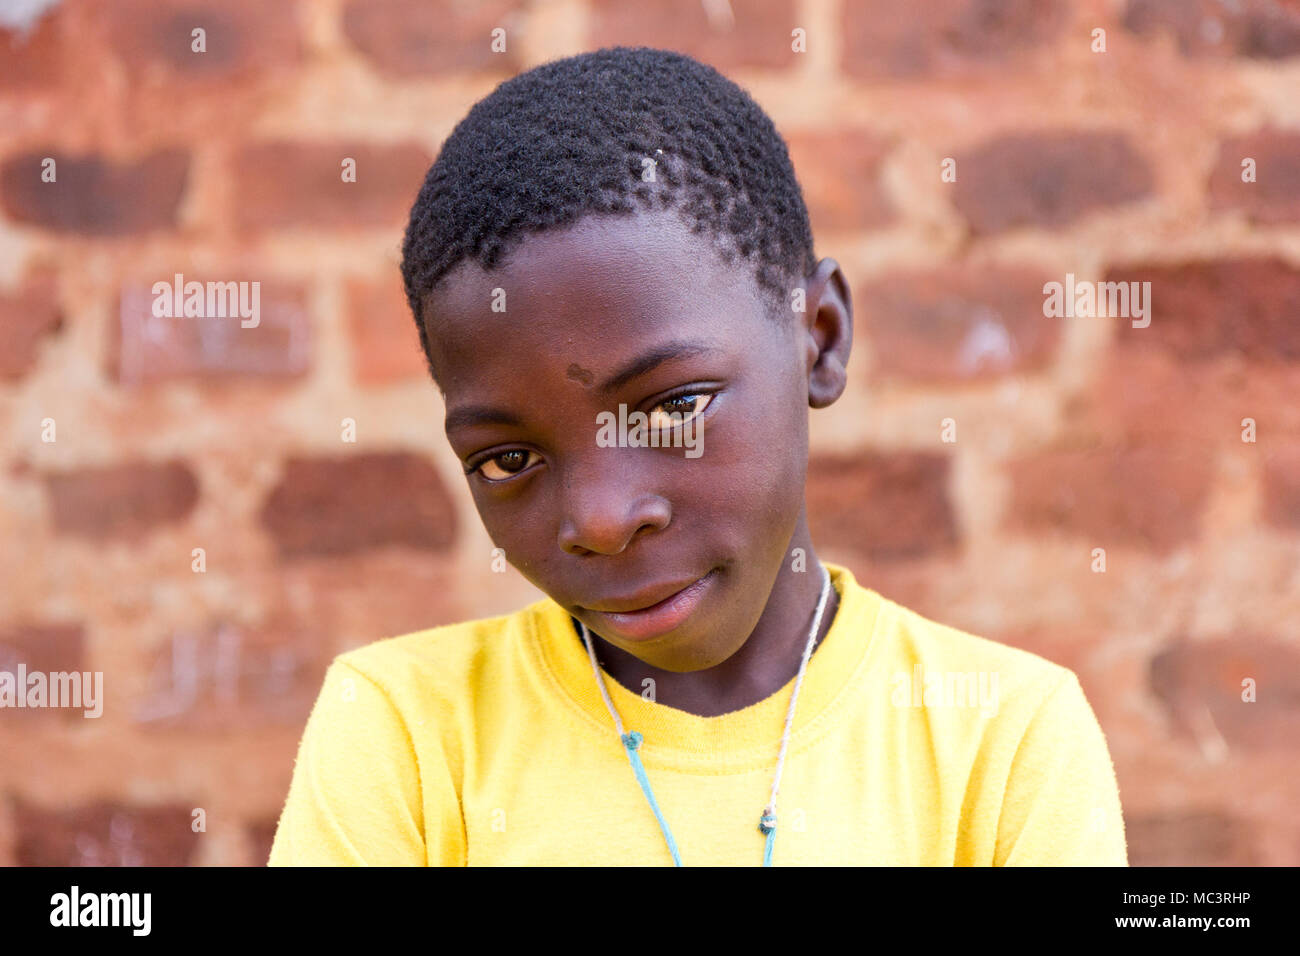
571	137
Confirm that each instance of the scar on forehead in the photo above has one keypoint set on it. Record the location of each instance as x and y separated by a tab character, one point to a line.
580	374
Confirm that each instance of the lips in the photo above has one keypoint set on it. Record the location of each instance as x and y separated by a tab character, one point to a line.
655	611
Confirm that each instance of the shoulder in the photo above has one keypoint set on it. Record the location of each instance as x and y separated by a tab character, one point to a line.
919	648
444	662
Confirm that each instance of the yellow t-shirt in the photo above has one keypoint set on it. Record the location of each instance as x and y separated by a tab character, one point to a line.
913	743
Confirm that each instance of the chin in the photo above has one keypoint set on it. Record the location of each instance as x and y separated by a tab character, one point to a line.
687	658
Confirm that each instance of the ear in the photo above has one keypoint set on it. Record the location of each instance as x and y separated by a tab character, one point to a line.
828	331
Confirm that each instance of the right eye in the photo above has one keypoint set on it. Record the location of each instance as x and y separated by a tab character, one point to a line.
506	464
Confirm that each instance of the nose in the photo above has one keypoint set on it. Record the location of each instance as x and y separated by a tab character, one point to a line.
603	515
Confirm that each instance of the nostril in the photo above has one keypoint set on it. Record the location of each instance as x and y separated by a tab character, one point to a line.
603	532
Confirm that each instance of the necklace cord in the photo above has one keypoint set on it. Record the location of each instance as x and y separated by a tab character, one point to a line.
632	741
767	823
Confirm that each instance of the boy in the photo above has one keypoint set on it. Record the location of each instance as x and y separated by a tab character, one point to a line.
622	232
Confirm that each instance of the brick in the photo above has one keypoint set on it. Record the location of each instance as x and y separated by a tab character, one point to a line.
1281	486
958	323
1259	29
228	678
242	36
300	185
104	834
121	501
93	194
33	55
1151	395
335	506
143	348
28	316
48	648
886	506
883	39
45	648
260	835
370	595
1204	310
840	176
1274	196
385	340
1047	179
1200	686
406	38
753	34
1147	496
1191	837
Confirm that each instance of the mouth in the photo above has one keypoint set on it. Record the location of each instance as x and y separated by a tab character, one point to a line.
654	620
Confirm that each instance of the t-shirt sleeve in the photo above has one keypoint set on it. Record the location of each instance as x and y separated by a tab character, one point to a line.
1061	804
356	795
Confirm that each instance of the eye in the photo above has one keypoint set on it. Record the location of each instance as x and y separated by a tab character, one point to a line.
506	464
678	410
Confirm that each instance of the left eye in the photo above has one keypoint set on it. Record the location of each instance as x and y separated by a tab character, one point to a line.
676	411
507	464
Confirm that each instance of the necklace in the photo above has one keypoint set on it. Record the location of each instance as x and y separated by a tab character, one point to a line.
632	741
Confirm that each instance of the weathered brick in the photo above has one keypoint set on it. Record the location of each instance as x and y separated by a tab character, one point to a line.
43	647
725	36
881	38
300	185
332	506
957	323
385	340
156	44
93	194
886	506
405	38
840	176
1151	395
27	317
33	57
143	348
260	835
227	677
1147	496
48	648
121	501
1203	310
1200	686
104	834
1281	486
370	595
1274	196
1189	837
1047	179
1261	29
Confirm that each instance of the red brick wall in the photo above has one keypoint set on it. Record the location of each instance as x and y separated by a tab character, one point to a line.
1072	434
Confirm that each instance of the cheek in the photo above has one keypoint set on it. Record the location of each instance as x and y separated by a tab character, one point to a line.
516	526
754	461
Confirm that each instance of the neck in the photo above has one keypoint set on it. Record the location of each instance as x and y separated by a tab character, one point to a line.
765	663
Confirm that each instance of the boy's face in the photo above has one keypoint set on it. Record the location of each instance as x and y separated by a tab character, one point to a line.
636	311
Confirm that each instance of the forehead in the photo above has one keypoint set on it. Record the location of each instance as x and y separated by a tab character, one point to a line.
588	294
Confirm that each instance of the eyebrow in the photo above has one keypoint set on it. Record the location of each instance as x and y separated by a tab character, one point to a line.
478	415
652	359
676	349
